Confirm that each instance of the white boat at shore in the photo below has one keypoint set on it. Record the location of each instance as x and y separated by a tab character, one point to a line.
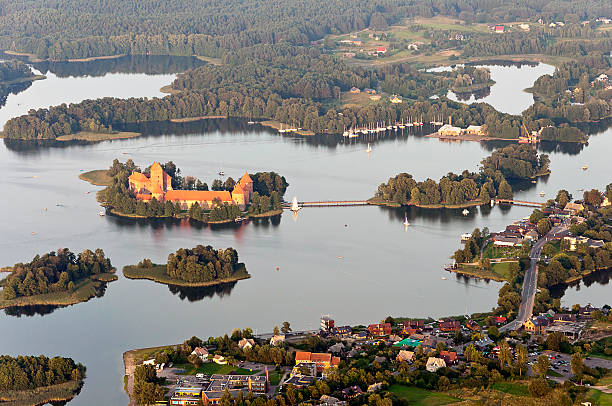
368	149
465	212
295	207
406	223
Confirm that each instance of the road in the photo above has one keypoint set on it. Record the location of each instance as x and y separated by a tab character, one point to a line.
530	283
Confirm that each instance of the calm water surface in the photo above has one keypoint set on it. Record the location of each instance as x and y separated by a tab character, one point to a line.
384	269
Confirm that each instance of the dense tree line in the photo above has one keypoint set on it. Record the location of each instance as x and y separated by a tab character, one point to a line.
147	386
12	75
27	372
54	272
267	183
517	161
202	264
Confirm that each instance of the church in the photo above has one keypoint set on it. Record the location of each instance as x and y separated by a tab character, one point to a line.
158	185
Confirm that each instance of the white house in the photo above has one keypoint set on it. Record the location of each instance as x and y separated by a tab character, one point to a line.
201	352
433	364
246	343
219	359
277	340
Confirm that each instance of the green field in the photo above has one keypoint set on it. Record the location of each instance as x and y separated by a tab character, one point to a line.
210	368
492	251
516	389
98	177
599	398
421	397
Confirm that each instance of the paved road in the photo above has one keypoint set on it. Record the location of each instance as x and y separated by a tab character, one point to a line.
530	283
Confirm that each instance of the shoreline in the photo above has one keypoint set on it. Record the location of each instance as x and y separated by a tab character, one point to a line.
277	126
480	138
158	274
492	276
374	202
267	214
42	395
84	291
192	119
94	137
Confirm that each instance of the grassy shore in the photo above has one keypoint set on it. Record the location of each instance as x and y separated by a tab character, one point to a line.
190	119
84	290
97	177
158	274
499	272
23	80
168	89
270	213
91	136
40	396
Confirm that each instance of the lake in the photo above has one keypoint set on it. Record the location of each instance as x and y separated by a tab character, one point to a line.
358	264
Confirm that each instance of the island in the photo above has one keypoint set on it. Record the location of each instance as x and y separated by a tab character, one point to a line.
15	77
28	380
160	191
197	267
59	278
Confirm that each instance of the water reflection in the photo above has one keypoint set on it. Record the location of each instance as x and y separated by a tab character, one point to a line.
599	277
476	94
42	310
194	294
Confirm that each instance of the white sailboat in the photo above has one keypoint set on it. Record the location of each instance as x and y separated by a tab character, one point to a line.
465	212
294	205
406	223
368	149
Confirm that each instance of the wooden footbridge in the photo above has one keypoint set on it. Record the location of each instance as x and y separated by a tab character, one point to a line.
330	203
518	202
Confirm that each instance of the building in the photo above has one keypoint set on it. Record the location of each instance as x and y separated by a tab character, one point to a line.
575	242
450	325
300	381
219	359
327	323
499	319
572	330
277	340
186	396
213	391
246	343
201	352
536	325
474	130
449	357
584	313
433	364
407	342
158	185
379	330
573	208
449	130
343	331
502	241
355	90
500	29
564	318
405	356
323	361
381	50
351	392
395	99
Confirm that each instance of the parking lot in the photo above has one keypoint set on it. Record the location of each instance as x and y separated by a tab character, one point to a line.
560	363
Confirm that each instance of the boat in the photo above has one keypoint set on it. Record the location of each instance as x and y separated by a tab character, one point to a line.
251	122
444	278
465	212
101	214
542	194
406	223
585	167
534	181
240	219
368	149
492	202
294	205
281	130
221	173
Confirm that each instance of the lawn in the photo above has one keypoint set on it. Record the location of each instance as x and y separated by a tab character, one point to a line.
477	272
516	389
492	251
502	269
599	398
418	396
210	368
274	377
448	23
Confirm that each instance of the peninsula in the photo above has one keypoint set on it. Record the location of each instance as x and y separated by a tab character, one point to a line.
59	278
197	267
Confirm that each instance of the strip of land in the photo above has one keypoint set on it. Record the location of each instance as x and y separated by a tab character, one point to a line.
97	177
40	396
92	136
158	274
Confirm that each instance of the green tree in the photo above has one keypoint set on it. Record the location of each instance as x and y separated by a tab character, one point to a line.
286	327
543	226
577	365
542	366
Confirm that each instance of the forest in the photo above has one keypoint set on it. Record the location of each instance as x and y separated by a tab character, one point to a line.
54	272
517	162
13	75
202	264
27	372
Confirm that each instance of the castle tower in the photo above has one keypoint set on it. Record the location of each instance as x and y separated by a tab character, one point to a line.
246	183
160	178
239	196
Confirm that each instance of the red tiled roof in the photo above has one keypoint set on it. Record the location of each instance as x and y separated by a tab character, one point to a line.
198	195
245	179
381	49
318	357
238	190
138	177
142	196
302	356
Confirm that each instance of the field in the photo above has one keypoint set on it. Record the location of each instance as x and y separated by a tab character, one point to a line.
98	177
84	290
158	274
492	251
421	397
516	389
498	272
210	368
274	377
42	395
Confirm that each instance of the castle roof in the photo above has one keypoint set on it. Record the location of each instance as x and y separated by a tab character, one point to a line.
238	190
138	177
198	195
245	178
142	196
156	166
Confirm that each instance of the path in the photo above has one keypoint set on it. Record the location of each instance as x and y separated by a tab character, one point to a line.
128	362
530	283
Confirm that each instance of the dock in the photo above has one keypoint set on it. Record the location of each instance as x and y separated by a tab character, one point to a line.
519	203
330	203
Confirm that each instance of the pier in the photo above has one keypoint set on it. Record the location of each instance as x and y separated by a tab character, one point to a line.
518	202
330	203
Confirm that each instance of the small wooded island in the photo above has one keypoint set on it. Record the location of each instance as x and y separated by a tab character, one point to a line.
161	191
27	380
514	162
59	278
200	266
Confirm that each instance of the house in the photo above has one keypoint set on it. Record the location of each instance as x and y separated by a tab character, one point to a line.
573	208
501	241
355	90
450	325
330	400
277	340
379	330
537	324
499	319
201	352
531	235
405	356
449	357
433	364
448	129
472	325
484	343
584	313
500	29
323	361
351	392
219	359
407	342
327	323
343	331
564	318
381	50
375	387
475	130
186	396
395	99
414	324
246	343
